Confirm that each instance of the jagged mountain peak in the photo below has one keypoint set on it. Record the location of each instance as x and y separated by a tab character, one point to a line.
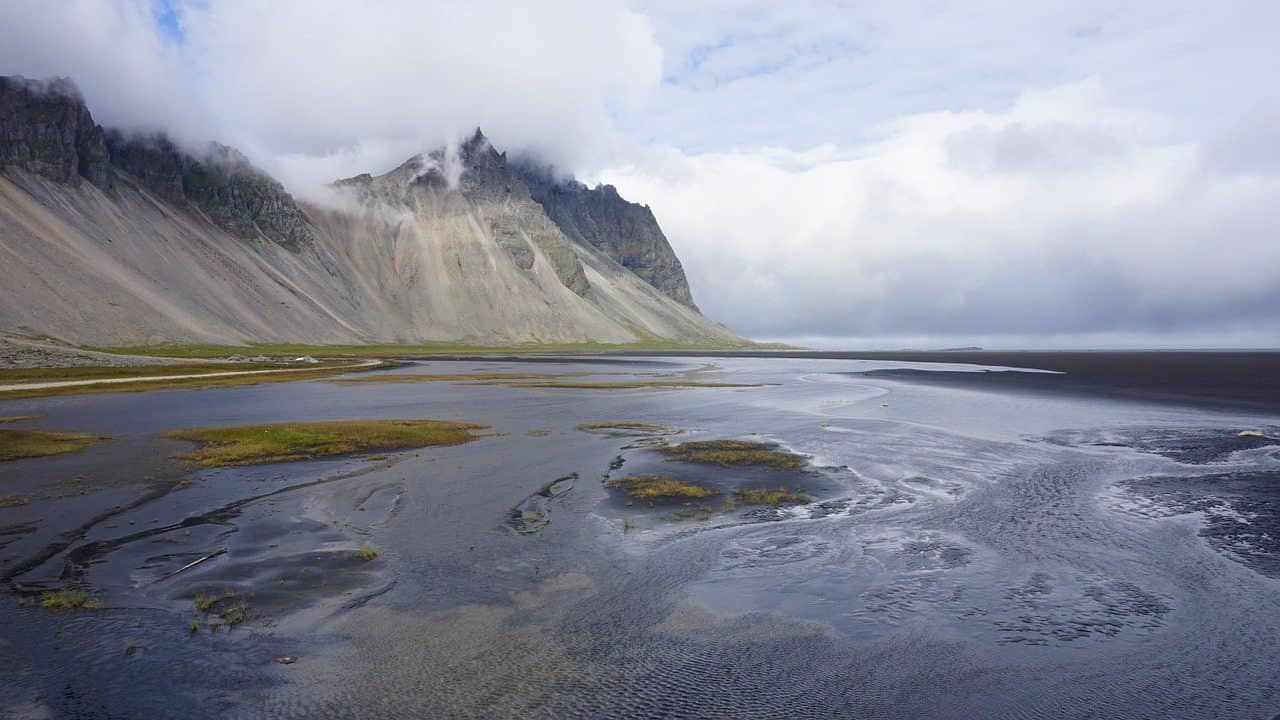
145	251
600	217
474	167
46	129
219	180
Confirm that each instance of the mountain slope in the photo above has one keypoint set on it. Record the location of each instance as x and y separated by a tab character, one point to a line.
625	231
107	239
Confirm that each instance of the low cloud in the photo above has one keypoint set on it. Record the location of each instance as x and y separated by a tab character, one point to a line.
1059	218
314	91
942	199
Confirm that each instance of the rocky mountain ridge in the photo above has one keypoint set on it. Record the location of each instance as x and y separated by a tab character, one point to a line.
123	239
234	194
46	130
625	231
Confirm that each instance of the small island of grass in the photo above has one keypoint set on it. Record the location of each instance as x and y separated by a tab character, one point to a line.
653	487
770	496
734	453
284	442
16	443
625	428
68	600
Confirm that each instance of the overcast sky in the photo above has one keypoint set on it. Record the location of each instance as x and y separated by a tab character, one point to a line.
875	174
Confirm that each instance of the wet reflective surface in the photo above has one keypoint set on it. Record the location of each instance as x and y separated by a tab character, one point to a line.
963	553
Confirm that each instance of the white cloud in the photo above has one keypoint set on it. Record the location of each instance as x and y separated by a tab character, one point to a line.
315	90
1057	216
131	75
361	86
1072	170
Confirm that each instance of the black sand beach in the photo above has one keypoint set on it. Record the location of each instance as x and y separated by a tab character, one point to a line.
1244	379
861	547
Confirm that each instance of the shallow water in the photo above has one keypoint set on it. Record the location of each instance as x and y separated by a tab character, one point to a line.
966	554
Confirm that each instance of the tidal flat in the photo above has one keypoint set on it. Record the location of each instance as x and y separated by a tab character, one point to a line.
725	537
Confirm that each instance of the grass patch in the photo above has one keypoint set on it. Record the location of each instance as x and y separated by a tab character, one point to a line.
627	428
653	487
204	603
767	496
16	418
68	600
538	432
733	453
16	444
235	613
367	553
220	608
284	442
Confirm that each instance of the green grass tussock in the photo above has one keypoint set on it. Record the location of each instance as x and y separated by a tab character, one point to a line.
653	487
284	442
68	600
21	443
220	608
770	496
733	453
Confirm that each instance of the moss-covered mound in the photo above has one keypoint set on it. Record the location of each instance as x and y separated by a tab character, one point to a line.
734	453
20	443
281	442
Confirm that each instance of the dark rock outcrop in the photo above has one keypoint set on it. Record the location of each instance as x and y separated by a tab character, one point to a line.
222	183
625	231
487	177
46	130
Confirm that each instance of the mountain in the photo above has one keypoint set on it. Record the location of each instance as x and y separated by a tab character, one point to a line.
114	239
625	231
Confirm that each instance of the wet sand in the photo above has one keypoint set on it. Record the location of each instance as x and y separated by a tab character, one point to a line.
962	553
1206	378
